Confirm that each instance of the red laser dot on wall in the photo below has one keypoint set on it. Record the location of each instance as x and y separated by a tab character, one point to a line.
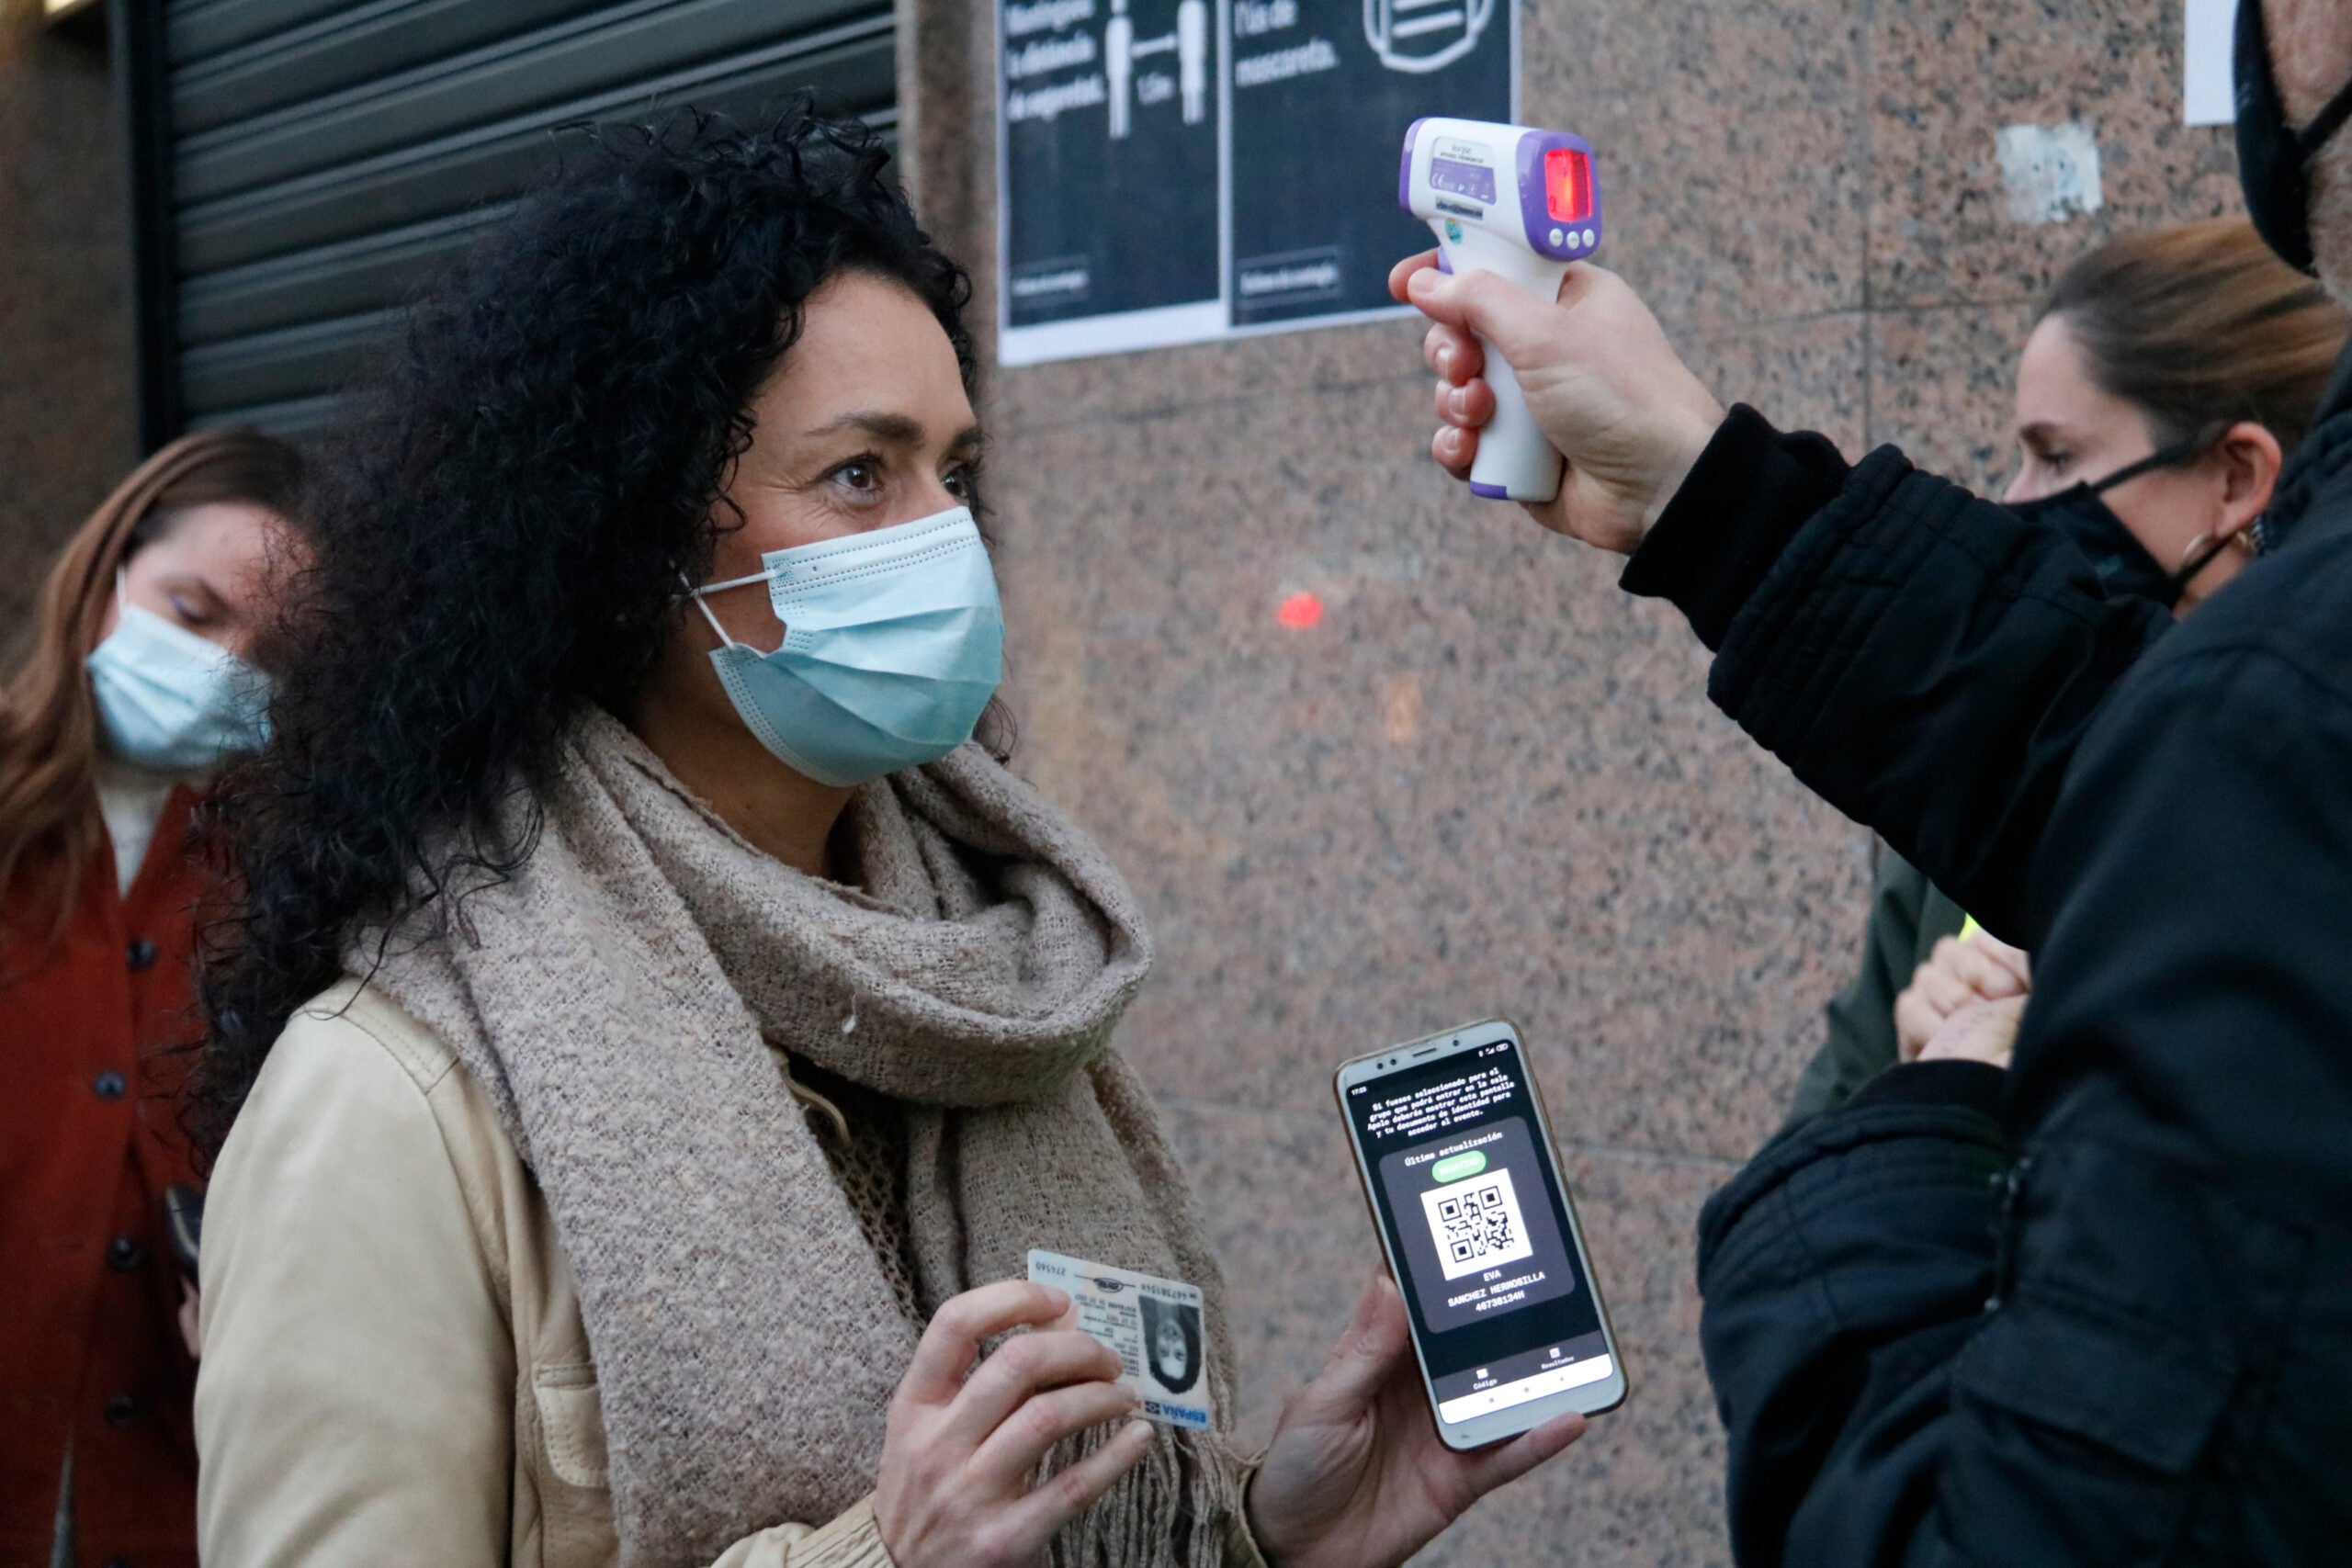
1300	612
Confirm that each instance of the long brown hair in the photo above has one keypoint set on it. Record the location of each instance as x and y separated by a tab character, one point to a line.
50	826
2199	326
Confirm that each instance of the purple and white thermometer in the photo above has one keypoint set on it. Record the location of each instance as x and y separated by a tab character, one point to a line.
1522	203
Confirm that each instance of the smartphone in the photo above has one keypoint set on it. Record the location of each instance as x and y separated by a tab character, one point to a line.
1465	1190
183	1225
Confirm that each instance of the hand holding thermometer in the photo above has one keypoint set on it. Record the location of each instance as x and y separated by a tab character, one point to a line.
1523	203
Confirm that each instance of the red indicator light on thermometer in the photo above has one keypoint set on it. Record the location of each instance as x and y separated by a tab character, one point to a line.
1567	185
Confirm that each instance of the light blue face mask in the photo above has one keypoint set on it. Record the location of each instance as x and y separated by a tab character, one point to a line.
169	699
893	643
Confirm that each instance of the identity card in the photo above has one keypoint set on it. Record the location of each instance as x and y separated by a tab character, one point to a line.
1153	1325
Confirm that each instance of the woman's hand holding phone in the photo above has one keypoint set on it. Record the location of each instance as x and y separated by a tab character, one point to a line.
1356	1477
958	1450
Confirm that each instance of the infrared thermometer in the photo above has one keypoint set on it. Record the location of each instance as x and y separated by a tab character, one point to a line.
1521	203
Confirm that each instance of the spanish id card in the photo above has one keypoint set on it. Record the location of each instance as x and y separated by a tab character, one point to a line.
1155	1326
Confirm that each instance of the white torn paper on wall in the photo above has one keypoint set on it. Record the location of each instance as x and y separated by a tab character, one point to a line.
2207	92
2050	173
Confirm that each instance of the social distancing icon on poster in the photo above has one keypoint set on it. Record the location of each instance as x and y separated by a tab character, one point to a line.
1188	41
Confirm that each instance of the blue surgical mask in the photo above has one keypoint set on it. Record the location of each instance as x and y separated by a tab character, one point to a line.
893	643
169	699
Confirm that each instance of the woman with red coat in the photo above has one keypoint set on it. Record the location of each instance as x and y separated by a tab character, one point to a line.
135	687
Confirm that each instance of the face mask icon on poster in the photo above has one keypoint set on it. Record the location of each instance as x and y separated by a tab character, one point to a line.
169	699
2123	562
2274	160
1418	37
893	643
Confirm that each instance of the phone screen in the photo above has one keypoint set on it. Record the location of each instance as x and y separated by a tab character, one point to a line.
1467	1191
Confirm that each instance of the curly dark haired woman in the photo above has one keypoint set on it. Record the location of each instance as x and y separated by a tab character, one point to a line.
652	1055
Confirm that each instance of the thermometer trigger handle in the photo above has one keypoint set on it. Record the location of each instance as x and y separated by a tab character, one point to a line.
1515	462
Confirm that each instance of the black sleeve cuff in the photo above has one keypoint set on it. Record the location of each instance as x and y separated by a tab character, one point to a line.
1953	1104
1977	1086
1742	503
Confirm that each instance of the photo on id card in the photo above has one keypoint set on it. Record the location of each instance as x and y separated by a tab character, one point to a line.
1155	1326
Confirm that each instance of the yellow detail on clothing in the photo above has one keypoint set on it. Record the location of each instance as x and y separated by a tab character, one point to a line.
1968	928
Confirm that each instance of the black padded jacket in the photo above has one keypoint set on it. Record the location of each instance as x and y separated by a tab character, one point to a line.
2097	1309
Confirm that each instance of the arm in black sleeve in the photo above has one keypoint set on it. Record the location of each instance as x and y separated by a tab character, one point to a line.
1807	1333
1746	498
2160	1367
1922	659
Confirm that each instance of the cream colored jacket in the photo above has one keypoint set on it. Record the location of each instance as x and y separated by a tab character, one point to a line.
394	1369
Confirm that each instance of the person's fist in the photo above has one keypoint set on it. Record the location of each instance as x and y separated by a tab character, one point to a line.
1977	1031
1603	384
1982	970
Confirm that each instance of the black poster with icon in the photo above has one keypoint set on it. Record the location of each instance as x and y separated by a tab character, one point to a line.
1323	91
1171	171
1108	110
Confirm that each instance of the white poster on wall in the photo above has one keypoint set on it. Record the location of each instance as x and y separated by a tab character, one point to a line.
2208	91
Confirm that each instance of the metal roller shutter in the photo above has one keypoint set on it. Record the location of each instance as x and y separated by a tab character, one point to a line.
296	165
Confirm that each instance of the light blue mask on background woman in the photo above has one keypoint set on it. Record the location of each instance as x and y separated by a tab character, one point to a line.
893	643
169	699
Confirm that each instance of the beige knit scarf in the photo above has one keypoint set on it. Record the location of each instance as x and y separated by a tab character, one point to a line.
613	997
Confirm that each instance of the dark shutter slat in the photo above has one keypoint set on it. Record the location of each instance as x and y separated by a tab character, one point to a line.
372	272
413	183
201	27
317	357
406	102
312	162
343	50
291	420
584	59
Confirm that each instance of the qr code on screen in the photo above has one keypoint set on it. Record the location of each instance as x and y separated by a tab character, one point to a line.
1476	1225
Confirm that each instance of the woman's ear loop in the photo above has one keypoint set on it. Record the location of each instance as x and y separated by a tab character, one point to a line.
2199	555
702	603
2205	546
2180	454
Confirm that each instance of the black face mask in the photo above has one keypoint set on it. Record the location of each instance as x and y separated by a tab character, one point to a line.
2274	162
2123	562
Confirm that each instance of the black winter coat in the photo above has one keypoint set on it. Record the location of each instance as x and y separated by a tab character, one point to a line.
2097	1309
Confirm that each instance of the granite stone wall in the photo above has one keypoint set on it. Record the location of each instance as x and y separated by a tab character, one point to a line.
67	419
1488	781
